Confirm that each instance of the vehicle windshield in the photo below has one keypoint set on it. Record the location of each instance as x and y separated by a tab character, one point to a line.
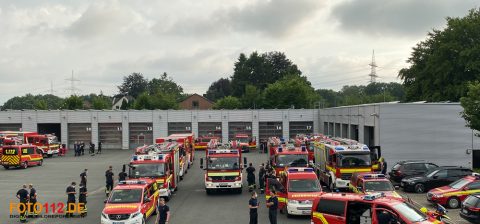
147	170
53	140
411	213
242	139
304	185
292	160
397	166
206	140
473	201
373	186
459	184
224	163
354	160
431	172
126	196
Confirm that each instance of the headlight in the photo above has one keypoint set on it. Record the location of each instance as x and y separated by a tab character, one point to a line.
105	216
436	195
292	201
308	202
238	178
135	214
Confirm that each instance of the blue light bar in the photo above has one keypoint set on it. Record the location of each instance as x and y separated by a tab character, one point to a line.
294	170
135	158
373	176
339	148
371	197
280	149
304	148
365	147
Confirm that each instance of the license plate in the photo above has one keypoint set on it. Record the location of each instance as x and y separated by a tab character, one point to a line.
305	212
223	185
118	222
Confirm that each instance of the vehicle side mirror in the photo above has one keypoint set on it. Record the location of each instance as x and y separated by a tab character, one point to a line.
201	163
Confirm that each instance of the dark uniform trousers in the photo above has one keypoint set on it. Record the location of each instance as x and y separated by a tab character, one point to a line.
272	216
253	217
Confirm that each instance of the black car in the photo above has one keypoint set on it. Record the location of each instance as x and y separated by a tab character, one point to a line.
409	168
471	208
436	177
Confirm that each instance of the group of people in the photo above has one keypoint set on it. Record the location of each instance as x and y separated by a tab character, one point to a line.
263	174
79	148
82	196
253	204
27	195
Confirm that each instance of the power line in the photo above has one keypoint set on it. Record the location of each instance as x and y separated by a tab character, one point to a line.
373	69
72	88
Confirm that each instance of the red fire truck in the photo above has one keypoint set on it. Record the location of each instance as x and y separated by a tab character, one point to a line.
131	201
223	169
159	162
48	143
186	144
244	142
202	142
287	155
296	188
21	156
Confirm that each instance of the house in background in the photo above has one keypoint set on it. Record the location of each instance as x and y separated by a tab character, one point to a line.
196	102
117	102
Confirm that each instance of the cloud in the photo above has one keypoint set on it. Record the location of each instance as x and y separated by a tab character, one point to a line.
407	17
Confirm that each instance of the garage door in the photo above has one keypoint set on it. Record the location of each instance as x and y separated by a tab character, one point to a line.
300	127
79	132
179	127
140	134
239	127
210	128
110	134
270	129
11	127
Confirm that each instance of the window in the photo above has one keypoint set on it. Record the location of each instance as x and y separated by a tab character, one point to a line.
418	166
431	165
39	151
474	186
441	174
455	173
331	207
195	104
152	191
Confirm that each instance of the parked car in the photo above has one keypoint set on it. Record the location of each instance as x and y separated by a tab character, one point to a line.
436	177
454	193
409	168
471	208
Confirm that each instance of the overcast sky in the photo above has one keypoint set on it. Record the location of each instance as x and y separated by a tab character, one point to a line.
197	42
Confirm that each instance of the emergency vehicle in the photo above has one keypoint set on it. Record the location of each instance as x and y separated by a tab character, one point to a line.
186	144
287	155
368	183
223	169
244	142
130	202
346	208
48	143
453	194
375	152
335	163
21	156
202	142
308	141
159	162
296	189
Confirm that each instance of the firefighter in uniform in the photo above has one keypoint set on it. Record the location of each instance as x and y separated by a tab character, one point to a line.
122	175
33	201
109	180
70	199
251	177
272	205
261	178
22	195
82	198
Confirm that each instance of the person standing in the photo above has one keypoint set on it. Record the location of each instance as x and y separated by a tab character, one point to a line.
122	176
253	205
251	177
383	165
261	178
70	199
163	212
83	177
33	200
99	150
75	148
109	180
22	195
272	205
82	148
82	198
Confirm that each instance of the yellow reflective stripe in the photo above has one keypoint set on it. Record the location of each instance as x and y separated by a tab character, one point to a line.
319	216
11	159
459	193
27	156
376	166
354	170
223	174
155	196
395	194
280	199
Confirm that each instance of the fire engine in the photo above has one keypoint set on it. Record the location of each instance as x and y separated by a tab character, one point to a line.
308	140
456	192
345	208
335	163
21	156
375	152
202	142
131	201
244	142
368	183
223	169
48	143
287	155
185	141
296	188
159	162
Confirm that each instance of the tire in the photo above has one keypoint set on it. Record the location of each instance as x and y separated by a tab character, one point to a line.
238	190
6	167
40	163
24	165
50	155
209	191
453	202
419	188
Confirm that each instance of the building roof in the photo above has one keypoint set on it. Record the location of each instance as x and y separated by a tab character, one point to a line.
199	96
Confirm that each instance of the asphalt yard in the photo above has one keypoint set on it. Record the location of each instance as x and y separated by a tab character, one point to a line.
190	204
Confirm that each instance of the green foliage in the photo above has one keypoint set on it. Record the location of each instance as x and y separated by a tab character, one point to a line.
229	102
165	85
219	89
157	101
133	85
471	106
101	102
73	103
38	102
260	70
252	97
41	105
290	91
445	62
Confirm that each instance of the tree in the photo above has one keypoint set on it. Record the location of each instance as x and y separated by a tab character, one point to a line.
229	102
133	85
252	97
157	101
101	102
29	101
73	103
165	85
328	97
41	105
219	89
143	101
290	91
442	65
471	106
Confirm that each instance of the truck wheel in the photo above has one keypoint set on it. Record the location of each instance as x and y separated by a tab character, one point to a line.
49	155
6	167
238	191
25	165
181	177
40	163
209	191
453	202
419	188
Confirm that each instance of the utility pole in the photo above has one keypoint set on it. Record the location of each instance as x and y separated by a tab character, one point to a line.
72	88
52	91
373	69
